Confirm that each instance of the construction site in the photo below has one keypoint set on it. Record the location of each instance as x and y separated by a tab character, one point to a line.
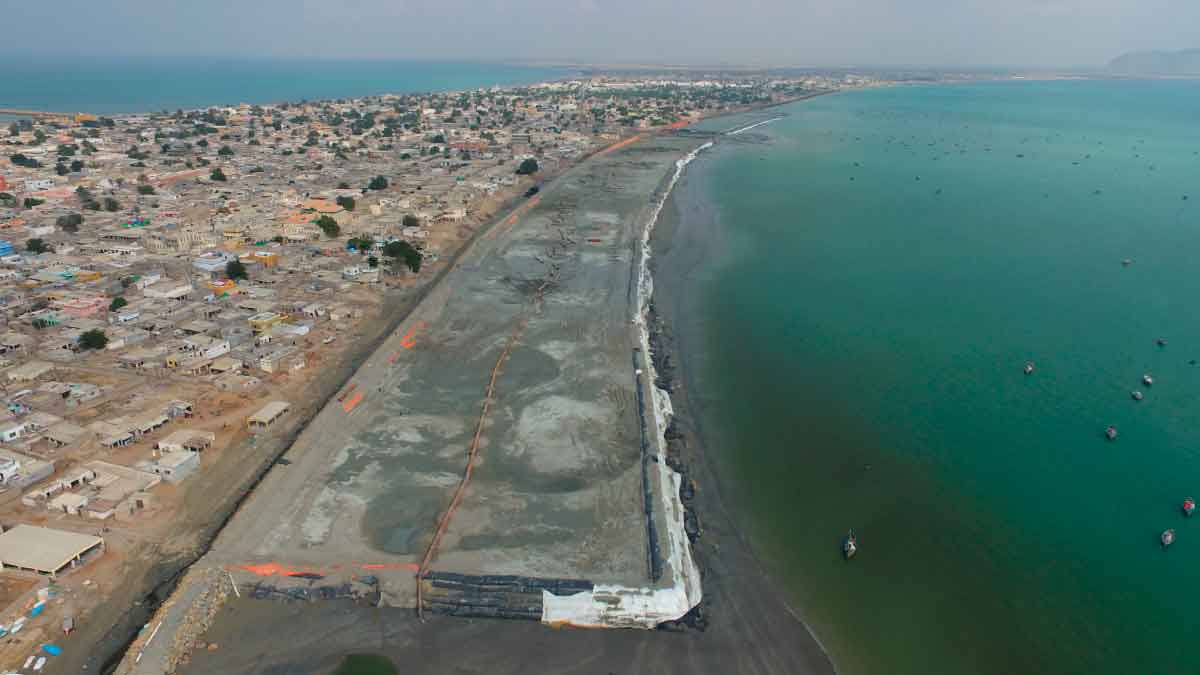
501	454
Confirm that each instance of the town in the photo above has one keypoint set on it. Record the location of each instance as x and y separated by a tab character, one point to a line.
172	284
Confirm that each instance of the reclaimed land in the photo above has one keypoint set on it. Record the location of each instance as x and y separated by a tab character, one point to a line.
744	624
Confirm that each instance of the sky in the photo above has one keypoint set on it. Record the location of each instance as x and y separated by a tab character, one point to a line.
1026	33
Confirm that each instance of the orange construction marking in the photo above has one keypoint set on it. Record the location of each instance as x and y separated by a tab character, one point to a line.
409	340
352	401
346	392
620	144
411	567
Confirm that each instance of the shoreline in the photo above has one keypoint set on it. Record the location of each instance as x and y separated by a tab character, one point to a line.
691	450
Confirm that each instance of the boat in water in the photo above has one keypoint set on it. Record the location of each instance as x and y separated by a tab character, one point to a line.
1161	342
1137	395
849	545
1147	380
1029	368
1111	433
1189	506
1167	538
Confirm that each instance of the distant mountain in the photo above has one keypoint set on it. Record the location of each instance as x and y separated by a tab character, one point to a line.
1186	62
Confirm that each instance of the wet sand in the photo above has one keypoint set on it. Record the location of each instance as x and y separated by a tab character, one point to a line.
748	625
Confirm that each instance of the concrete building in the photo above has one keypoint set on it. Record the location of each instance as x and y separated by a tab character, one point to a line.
191	440
45	551
29	372
176	465
267	415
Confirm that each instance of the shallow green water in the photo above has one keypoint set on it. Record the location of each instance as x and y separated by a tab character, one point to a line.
889	261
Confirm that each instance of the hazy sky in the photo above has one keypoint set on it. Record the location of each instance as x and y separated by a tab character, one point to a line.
778	32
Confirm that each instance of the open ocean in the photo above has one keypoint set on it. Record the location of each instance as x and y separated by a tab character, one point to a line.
875	272
135	85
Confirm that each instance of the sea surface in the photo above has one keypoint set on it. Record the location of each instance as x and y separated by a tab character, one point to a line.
130	85
862	284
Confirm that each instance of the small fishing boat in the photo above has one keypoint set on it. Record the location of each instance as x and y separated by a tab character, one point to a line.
1029	368
1147	380
1127	262
1161	342
1111	433
849	545
1189	506
1167	538
1137	395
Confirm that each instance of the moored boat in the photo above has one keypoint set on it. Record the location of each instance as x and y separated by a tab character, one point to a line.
1029	368
1189	506
849	545
1137	395
1147	380
1111	433
1167	538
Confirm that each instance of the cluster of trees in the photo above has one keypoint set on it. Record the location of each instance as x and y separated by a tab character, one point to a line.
528	166
402	251
362	243
377	183
117	303
145	189
234	269
218	175
37	246
329	226
21	160
69	222
93	339
346	203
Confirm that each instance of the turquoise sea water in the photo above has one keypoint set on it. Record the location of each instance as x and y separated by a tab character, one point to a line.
115	86
882	266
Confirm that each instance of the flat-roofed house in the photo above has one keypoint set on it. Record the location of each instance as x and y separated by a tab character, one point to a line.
28	372
175	466
45	551
267	415
192	440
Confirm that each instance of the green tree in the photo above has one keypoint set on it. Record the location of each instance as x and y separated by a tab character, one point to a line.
93	339
402	251
225	151
7	199
218	175
76	166
31	202
377	183
111	204
145	189
346	203
329	226
69	222
410	220
234	269
528	166
372	262
117	303
36	246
